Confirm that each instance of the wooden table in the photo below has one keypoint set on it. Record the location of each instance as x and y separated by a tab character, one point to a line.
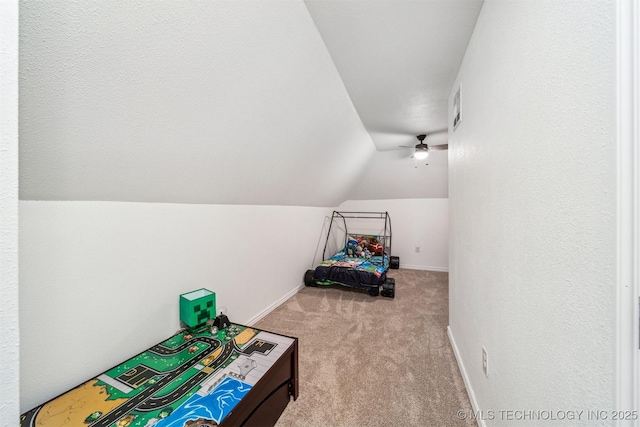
193	378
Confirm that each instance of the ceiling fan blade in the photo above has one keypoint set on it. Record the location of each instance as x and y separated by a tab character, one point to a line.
439	147
407	146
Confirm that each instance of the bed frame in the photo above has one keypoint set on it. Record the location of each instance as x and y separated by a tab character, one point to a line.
361	215
346	276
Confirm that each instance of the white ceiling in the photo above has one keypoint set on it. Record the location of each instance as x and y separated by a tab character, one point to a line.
247	102
398	60
393	175
183	102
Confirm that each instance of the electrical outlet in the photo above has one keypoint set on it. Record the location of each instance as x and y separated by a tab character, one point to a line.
417	249
485	362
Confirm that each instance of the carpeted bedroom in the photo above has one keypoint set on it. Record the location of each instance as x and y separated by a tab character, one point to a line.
373	361
153	149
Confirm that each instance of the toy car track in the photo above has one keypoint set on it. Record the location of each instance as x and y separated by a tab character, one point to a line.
189	367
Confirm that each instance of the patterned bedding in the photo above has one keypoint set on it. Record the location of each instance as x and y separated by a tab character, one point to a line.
353	271
372	265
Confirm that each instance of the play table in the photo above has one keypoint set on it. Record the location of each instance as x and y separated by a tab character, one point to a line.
194	378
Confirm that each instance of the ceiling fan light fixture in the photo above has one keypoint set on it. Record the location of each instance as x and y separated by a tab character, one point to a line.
421	154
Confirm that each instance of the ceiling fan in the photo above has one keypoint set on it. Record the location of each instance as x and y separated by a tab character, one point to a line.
421	150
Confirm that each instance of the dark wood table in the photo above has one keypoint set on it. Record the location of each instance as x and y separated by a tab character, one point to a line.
245	377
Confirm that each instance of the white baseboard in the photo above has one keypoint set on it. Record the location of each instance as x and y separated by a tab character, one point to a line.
465	378
423	267
275	305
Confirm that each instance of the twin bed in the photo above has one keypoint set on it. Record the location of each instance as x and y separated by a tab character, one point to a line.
360	260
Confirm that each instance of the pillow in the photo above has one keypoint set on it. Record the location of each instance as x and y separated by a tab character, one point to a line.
363	246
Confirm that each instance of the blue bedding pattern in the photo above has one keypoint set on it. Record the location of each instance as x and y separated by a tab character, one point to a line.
372	265
353	271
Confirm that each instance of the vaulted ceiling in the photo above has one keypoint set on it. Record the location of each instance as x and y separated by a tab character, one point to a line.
398	60
233	102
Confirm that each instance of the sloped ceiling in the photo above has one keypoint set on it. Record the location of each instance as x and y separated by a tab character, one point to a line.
245	102
391	175
398	60
186	102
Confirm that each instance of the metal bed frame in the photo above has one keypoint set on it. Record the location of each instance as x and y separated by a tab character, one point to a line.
387	287
344	215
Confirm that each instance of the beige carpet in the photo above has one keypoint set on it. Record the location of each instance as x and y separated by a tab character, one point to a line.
373	361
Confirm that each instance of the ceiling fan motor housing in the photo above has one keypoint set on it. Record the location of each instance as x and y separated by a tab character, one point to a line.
421	150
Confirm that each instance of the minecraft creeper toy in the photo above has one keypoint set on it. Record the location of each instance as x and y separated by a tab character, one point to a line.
196	307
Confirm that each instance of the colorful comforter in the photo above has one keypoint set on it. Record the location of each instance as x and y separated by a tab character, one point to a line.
353	271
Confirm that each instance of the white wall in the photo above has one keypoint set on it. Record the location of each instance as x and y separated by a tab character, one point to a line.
532	196
9	331
99	281
415	222
234	102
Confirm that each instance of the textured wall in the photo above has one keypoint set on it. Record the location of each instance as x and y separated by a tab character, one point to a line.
205	102
414	222
107	272
532	207
9	345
